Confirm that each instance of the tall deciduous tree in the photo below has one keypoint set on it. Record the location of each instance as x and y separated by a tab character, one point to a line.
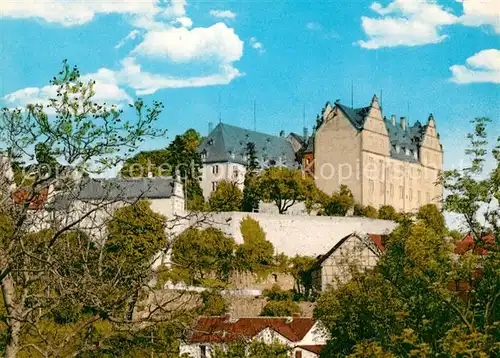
255	251
339	203
284	187
201	255
227	197
62	294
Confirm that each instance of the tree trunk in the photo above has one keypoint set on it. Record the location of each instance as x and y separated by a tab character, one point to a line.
13	325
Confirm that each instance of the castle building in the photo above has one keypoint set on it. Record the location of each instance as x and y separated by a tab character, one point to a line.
383	162
224	154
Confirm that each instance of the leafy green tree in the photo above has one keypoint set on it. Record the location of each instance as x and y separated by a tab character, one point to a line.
433	217
62	294
387	212
284	187
254	349
275	293
227	197
213	304
301	271
280	309
135	234
339	203
199	255
255	251
365	211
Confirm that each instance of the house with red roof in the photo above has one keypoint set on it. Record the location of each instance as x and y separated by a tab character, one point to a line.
357	250
305	336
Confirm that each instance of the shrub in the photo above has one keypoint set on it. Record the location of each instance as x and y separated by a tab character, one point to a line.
280	309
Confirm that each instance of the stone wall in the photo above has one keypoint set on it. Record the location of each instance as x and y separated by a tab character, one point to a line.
300	235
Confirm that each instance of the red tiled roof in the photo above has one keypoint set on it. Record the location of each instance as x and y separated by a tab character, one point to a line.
467	244
315	349
22	195
377	241
223	329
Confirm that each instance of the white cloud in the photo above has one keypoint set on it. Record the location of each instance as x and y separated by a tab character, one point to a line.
131	36
223	14
484	66
148	83
257	45
314	26
481	12
217	42
405	23
176	8
184	21
74	12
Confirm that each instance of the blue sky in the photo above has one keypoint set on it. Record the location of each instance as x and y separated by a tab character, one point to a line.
441	57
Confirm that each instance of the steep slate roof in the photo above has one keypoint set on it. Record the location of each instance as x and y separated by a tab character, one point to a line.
117	189
223	329
401	139
409	138
310	144
227	143
121	188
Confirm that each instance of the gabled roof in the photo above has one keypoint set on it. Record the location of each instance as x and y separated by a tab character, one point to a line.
316	349
310	144
356	116
227	143
374	244
405	142
224	329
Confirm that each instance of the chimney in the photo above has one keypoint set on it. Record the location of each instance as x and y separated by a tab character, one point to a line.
306	134
393	120
210	127
403	122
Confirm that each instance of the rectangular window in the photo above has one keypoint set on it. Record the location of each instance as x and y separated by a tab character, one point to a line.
392	190
203	351
410	195
419	194
215	169
401	192
382	189
214	186
371	187
298	354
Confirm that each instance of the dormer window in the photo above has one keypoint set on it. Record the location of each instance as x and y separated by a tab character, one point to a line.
211	142
415	154
398	149
204	155
407	152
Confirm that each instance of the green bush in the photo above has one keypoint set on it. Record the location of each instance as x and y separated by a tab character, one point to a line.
280	309
275	293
